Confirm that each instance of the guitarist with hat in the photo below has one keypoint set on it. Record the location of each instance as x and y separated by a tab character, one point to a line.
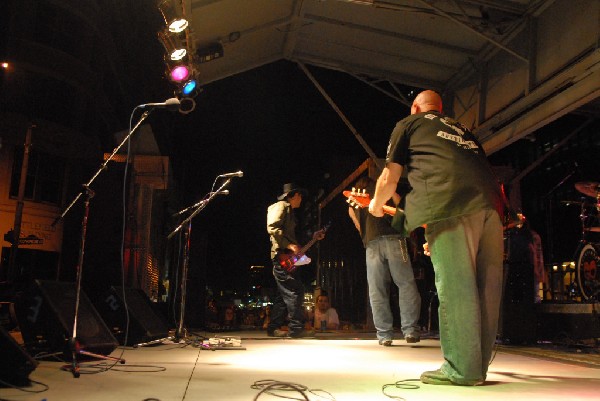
281	226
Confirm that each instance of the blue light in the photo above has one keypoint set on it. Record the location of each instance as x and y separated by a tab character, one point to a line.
189	87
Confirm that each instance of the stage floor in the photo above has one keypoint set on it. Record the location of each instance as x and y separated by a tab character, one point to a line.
343	367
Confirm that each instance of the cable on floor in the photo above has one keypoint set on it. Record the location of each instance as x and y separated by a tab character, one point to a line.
277	388
45	387
401	384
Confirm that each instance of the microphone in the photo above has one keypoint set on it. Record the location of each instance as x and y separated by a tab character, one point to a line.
223	192
171	104
236	174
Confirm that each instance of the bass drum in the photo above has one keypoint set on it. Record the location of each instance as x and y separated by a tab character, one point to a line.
588	276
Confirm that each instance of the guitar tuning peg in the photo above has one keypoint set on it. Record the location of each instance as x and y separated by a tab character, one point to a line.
364	191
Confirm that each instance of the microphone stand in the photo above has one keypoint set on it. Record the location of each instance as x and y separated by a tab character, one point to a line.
73	341
179	332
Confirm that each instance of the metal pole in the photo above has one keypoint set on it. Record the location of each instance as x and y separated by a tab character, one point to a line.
12	273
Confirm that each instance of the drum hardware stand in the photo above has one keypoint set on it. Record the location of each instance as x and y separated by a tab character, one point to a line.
74	345
549	240
180	331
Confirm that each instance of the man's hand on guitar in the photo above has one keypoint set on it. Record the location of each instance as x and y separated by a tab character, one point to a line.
375	211
426	249
319	235
293	247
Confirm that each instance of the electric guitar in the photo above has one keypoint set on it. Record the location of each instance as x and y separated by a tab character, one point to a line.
290	261
359	199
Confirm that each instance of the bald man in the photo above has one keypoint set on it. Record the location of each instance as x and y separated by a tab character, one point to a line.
456	197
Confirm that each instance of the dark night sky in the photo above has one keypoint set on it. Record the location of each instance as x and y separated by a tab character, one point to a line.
273	124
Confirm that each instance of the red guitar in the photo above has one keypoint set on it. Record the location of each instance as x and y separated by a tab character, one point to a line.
358	198
290	261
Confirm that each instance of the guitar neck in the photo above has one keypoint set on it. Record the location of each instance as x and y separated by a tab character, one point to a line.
306	247
389	210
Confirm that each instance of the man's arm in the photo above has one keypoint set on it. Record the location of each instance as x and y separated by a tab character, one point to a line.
353	217
385	188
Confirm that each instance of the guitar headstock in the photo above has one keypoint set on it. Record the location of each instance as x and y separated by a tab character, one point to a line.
357	198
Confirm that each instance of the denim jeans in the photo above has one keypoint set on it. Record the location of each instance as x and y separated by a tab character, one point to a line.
467	256
290	296
387	261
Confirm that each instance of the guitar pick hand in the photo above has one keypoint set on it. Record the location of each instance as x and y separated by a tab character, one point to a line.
319	235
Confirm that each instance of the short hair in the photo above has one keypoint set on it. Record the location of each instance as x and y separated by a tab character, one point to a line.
323	295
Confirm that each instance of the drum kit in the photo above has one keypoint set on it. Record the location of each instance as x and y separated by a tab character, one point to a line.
588	250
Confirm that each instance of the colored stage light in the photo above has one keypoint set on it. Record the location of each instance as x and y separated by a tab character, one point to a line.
179	73
189	87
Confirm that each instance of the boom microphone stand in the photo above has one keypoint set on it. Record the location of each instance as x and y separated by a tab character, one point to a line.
180	332
73	342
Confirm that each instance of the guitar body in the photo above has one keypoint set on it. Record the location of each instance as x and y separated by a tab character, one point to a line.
289	261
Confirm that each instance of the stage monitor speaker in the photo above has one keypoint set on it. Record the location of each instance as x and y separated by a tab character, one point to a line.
144	323
568	322
46	317
15	363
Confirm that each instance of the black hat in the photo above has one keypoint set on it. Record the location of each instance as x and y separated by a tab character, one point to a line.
289	188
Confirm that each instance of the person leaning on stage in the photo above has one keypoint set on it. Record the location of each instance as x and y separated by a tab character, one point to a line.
387	260
326	317
457	198
281	226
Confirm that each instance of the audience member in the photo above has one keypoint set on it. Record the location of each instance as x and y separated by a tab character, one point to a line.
326	317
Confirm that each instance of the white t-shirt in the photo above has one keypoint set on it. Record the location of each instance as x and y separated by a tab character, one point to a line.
330	316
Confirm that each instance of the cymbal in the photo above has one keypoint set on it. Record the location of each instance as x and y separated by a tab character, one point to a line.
593	229
569	202
588	188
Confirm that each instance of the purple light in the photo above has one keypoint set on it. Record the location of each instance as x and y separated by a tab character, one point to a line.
180	73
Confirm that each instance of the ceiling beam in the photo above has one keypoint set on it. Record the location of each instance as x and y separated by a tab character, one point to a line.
502	5
353	69
401	58
291	35
565	92
475	31
390	34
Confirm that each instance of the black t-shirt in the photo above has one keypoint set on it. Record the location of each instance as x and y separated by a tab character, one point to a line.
372	227
447	169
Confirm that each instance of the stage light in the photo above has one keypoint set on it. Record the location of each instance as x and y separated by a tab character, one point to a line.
189	88
175	44
173	15
178	54
181	56
179	73
178	25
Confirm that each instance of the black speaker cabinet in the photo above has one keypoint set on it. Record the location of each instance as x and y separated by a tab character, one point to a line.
15	363
46	315
144	323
